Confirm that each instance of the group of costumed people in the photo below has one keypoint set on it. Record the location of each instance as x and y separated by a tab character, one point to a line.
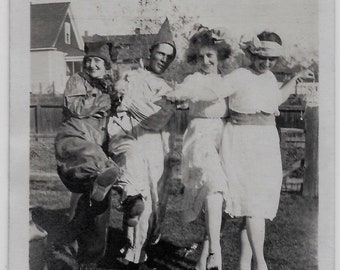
116	135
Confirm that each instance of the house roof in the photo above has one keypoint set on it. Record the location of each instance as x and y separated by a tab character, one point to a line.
74	52
46	23
46	20
130	47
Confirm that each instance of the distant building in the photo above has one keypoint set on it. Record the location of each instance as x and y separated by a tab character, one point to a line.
131	48
56	47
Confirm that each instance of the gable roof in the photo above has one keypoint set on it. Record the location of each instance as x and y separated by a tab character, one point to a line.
46	23
130	47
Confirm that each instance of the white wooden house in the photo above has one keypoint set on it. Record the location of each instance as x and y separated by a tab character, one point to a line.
56	47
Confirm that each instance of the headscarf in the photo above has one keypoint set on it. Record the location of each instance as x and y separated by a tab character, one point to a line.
255	46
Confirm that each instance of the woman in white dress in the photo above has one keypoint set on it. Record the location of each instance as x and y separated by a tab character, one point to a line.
250	144
203	176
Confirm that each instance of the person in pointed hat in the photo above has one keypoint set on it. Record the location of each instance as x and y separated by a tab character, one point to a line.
139	144
164	36
80	149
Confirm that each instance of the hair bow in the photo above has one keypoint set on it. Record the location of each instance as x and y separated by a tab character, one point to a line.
251	43
218	35
197	28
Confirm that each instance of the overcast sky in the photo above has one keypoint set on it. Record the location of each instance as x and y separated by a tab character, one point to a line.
296	21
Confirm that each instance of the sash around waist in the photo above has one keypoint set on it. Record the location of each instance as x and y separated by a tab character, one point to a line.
256	119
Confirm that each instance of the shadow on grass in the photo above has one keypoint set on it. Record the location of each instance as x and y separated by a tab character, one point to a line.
291	239
165	255
50	220
113	258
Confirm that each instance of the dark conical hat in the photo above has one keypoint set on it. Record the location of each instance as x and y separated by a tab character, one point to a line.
165	36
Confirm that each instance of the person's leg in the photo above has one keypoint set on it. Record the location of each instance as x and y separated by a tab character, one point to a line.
246	252
134	250
256	233
130	185
145	161
213	216
104	181
90	228
80	162
202	263
73	205
93	242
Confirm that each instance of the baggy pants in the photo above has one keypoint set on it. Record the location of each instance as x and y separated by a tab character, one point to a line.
143	166
79	162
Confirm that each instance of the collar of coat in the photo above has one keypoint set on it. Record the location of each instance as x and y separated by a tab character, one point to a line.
105	84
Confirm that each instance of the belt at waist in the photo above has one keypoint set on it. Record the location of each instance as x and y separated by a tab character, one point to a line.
257	119
206	117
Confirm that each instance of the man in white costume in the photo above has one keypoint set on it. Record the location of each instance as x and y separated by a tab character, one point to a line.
139	144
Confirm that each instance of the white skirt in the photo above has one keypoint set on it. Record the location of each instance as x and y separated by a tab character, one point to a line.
252	162
202	171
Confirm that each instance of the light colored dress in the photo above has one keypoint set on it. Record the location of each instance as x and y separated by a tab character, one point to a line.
251	149
202	172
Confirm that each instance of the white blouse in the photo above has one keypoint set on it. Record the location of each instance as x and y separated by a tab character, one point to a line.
251	93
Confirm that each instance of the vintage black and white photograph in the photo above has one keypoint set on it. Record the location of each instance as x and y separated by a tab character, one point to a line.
173	134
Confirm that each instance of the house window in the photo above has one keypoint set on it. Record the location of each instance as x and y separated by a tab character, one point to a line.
73	67
67	33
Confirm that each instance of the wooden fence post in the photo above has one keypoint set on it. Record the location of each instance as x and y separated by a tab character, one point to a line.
311	176
38	119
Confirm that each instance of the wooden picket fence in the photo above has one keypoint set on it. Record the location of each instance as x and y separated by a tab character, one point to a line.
46	116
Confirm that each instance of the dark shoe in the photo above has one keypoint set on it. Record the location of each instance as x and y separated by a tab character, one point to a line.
133	207
62	259
154	239
134	266
214	262
104	182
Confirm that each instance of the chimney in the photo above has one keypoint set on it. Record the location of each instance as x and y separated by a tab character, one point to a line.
137	31
86	33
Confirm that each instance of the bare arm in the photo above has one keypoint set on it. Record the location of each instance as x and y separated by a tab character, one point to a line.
196	92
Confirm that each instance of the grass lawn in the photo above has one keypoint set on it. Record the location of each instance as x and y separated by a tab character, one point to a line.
291	239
